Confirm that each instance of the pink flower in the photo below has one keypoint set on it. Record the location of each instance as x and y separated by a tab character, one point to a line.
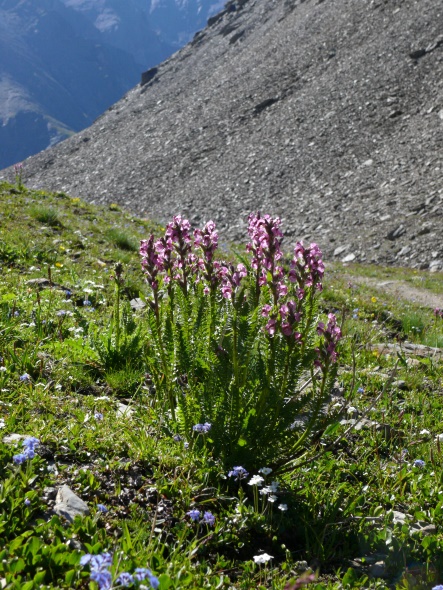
271	327
265	240
326	353
226	291
286	329
307	268
266	310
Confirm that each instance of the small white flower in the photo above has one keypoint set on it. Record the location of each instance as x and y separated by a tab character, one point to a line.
352	410
264	558
3	369
265	490
425	432
274	486
283	507
256	480
2	423
265	470
272	498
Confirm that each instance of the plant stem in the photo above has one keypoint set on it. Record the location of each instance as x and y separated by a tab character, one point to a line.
117	316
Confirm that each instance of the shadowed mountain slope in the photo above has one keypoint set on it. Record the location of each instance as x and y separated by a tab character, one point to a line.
327	113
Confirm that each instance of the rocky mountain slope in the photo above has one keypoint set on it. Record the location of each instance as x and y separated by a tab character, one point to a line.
328	113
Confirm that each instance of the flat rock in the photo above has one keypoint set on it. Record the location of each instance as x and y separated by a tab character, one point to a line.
13	438
69	505
399	517
408	348
377	570
124	410
340	249
435	265
38	282
396	233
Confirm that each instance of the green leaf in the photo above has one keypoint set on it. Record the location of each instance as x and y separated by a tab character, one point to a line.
39	577
349	578
242	442
17	565
165	582
70	576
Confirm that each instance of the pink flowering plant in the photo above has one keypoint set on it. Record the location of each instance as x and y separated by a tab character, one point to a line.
231	344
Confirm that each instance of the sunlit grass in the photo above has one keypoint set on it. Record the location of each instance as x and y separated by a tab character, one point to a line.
103	432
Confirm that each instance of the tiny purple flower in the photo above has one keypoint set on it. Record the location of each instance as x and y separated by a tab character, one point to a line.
102	508
238	472
194	515
27	502
419	463
102	578
25	378
85	559
19	459
30	443
101	562
209	518
98	416
125	579
142	573
202	428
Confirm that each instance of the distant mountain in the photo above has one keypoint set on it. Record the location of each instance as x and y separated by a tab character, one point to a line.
176	21
327	113
64	62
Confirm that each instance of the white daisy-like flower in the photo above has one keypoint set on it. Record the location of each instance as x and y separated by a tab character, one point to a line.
266	490
256	480
272	498
265	470
264	558
283	507
274	486
424	432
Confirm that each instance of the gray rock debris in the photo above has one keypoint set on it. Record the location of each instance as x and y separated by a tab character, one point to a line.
285	120
69	505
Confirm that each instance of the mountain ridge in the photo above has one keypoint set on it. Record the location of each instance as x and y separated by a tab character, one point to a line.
327	114
63	62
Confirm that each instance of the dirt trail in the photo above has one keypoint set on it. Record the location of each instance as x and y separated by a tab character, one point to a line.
402	290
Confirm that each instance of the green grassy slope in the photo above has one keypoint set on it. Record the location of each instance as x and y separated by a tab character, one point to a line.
364	511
